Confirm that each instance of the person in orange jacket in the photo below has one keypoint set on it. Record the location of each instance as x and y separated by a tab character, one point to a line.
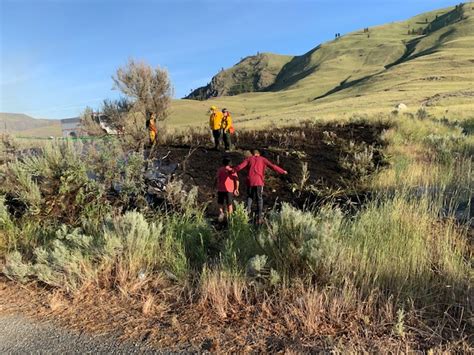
227	128
215	123
151	126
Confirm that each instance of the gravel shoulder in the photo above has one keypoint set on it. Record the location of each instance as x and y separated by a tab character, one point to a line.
19	334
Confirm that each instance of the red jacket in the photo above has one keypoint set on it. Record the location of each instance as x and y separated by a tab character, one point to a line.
257	166
226	179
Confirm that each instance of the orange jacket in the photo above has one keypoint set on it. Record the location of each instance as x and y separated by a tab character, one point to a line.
226	122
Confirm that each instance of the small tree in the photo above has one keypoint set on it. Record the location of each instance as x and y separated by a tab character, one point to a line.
89	124
150	89
147	91
112	114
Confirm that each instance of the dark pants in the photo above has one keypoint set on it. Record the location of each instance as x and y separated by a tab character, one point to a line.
227	142
255	193
216	133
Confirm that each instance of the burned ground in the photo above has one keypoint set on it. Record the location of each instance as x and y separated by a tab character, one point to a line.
330	153
322	147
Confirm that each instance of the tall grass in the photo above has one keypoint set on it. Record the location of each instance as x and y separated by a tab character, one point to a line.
398	244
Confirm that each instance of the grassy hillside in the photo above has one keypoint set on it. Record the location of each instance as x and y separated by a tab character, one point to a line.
24	125
424	61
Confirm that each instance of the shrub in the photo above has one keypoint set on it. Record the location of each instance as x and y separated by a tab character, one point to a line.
179	199
15	268
8	147
358	159
133	246
131	183
7	229
126	247
55	184
67	262
422	114
303	243
445	147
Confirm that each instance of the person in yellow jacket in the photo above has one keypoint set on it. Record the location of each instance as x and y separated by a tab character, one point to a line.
151	126
227	128
215	123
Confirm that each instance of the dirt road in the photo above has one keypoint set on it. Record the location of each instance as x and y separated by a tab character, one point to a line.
19	334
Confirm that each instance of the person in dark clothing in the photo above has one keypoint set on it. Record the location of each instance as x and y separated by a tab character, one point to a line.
256	179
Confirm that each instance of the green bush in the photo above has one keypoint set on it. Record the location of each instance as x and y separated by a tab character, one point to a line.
126	247
303	243
444	148
358	159
15	268
54	185
181	200
138	246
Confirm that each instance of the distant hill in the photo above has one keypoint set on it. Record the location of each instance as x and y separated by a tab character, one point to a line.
427	60
24	125
253	73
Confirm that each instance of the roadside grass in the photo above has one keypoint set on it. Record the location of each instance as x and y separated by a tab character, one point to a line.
398	266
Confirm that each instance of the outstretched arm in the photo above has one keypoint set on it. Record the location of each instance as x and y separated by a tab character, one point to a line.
275	167
241	166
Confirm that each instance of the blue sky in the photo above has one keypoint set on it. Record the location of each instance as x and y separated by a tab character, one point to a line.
58	56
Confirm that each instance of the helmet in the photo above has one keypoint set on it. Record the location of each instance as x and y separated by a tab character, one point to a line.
213	108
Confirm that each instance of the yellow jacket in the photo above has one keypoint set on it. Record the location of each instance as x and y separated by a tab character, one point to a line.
215	121
226	122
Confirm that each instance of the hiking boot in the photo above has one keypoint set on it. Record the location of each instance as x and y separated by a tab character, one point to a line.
221	217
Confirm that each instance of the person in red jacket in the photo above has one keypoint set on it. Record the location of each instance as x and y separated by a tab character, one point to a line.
227	183
256	179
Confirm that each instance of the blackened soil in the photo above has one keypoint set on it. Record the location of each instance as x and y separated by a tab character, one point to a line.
320	146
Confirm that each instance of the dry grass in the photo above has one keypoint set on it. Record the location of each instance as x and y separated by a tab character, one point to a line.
222	292
295	319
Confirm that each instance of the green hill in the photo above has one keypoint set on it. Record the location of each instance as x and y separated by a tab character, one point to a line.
24	125
427	60
253	73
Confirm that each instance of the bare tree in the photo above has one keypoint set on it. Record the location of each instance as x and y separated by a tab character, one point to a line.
150	89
